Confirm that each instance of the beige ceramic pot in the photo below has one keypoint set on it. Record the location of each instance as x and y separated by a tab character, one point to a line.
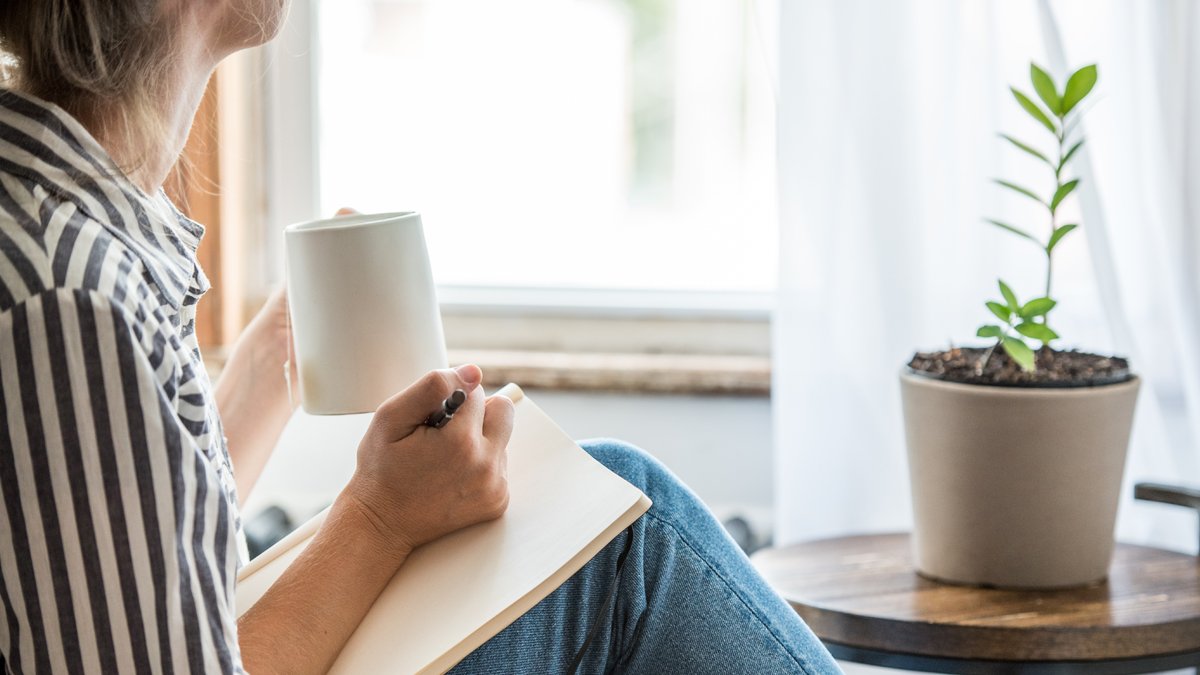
1015	487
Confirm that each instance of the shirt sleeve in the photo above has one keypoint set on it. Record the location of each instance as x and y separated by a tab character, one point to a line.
115	535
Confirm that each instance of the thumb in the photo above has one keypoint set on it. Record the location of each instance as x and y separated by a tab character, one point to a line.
401	414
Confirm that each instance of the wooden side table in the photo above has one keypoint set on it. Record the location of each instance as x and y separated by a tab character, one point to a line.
862	598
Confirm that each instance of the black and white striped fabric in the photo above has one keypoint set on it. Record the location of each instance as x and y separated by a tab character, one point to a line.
119	533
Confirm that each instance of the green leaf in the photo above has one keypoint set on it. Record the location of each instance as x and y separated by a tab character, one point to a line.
1025	191
1003	313
1037	331
1070	153
1015	230
1020	352
1057	235
1078	86
1033	109
1044	86
1036	307
1009	296
1062	192
989	331
1031	150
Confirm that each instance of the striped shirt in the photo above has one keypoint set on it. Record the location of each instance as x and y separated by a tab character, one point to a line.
119	532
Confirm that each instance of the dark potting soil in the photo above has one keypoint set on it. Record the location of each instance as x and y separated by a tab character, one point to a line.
1055	368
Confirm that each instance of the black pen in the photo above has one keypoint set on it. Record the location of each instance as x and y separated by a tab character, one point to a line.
450	406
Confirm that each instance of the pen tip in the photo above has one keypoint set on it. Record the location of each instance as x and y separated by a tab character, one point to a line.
456	399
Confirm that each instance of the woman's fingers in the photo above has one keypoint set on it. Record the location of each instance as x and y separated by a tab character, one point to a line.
498	416
403	413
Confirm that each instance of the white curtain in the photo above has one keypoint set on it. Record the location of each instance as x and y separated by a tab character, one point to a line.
888	121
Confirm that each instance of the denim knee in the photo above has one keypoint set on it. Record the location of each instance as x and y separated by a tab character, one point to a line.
629	462
673	501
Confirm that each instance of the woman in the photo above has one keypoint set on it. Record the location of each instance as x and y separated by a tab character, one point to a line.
120	537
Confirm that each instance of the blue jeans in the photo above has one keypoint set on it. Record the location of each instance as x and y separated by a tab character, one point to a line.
687	599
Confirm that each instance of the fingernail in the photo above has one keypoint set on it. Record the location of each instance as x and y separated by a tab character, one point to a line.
469	373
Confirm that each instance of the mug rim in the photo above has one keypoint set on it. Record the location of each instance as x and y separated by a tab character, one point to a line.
349	220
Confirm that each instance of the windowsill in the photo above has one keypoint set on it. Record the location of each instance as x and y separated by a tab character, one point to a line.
680	374
698	344
623	373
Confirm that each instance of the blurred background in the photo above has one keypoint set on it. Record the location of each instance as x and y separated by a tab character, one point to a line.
719	228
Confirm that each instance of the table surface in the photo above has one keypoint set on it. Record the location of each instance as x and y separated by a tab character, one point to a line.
862	593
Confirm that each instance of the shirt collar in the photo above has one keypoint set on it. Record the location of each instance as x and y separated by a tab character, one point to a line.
41	142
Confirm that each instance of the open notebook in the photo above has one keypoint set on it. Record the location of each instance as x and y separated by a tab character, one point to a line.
453	594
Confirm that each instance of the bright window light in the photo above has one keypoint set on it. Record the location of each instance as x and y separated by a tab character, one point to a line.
614	144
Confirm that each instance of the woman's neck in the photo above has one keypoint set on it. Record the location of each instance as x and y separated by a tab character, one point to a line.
148	157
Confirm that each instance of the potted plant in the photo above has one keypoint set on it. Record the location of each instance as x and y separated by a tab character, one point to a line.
1016	448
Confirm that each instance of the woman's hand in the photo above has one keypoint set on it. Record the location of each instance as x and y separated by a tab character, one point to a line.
415	483
252	392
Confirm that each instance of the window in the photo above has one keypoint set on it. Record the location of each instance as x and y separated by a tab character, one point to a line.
594	175
557	144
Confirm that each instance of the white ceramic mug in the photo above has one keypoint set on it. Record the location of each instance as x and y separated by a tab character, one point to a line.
364	309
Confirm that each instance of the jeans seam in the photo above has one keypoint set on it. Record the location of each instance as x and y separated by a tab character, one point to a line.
731	588
626	644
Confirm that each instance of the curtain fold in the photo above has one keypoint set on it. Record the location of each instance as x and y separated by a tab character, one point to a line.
887	139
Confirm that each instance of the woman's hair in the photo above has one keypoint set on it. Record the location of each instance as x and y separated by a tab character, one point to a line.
100	60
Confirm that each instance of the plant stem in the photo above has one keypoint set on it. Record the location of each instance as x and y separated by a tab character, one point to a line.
1061	137
983	361
1049	274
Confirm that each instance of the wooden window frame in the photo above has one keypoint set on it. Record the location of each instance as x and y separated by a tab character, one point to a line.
195	187
219	183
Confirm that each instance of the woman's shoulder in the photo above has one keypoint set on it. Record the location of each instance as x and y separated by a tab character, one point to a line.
69	220
49	245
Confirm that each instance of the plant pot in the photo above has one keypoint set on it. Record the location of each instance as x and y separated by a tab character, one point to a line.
1015	487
